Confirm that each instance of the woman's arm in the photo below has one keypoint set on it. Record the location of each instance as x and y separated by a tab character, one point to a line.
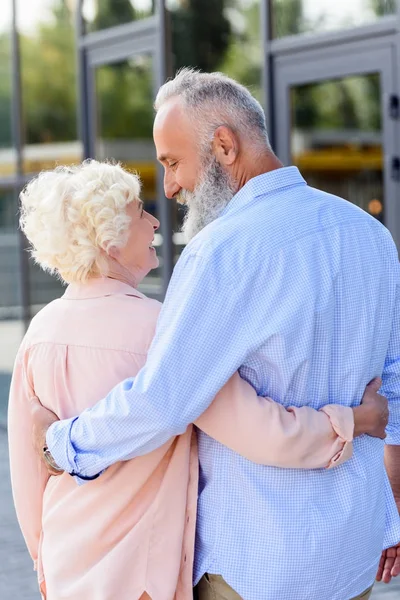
267	433
29	476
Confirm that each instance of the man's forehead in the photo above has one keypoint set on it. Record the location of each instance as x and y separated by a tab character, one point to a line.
172	129
171	118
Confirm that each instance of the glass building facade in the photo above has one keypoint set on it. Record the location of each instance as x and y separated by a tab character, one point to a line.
78	79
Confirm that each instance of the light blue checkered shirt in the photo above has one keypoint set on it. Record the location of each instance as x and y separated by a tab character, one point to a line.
300	290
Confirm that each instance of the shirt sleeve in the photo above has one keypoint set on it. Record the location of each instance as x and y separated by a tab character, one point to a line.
267	433
201	340
210	322
29	476
391	377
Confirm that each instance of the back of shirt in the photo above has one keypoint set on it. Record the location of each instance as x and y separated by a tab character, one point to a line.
320	280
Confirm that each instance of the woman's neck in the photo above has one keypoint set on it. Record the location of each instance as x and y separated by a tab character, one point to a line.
116	271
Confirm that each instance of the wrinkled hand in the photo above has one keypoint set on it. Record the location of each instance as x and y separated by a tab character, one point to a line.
42	418
372	416
389	565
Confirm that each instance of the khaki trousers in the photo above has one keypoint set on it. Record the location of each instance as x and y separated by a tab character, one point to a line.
214	587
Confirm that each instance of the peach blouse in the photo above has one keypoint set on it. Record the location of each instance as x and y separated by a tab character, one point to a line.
131	531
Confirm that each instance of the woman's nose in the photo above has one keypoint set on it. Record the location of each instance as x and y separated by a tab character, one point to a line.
155	222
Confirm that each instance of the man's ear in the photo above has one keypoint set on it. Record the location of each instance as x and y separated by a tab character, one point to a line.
225	145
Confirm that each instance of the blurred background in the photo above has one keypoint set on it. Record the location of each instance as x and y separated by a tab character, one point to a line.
78	78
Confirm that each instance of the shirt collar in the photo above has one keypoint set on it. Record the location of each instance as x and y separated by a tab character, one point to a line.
267	183
99	287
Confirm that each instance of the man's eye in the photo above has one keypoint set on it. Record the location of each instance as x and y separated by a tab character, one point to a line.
172	165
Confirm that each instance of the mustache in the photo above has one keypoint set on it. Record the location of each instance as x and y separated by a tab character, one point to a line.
184	197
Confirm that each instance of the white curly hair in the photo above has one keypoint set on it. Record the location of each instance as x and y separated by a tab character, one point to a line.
72	216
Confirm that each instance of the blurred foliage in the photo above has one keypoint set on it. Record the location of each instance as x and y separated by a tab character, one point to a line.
341	104
384	7
5	91
218	35
113	12
125	94
349	103
209	34
200	34
110	13
287	17
292	17
48	72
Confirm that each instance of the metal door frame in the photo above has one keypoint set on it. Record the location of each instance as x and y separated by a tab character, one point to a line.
353	58
147	36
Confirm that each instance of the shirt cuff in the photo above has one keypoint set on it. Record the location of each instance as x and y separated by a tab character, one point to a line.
58	441
342	421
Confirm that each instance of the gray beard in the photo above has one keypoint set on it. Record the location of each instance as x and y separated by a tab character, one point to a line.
208	200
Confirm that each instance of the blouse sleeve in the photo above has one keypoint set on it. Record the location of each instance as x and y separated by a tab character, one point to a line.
28	475
267	433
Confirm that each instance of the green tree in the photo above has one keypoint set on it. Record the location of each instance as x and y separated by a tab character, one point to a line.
5	92
113	12
48	72
200	34
287	17
125	100
383	7
244	55
123	91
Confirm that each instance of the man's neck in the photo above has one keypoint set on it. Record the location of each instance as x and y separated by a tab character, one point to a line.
256	165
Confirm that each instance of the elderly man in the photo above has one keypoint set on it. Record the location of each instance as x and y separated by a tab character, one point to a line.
297	289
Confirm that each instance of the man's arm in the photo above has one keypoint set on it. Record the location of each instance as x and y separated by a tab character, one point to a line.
390	562
202	338
211	320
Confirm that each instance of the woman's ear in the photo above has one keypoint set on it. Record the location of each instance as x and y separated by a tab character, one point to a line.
112	252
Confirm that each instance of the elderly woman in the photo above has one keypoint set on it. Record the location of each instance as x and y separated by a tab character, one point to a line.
130	533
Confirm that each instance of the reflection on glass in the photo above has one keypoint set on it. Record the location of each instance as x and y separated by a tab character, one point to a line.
49	100
291	17
336	138
11	329
7	152
102	14
124	99
8	212
49	84
43	288
217	35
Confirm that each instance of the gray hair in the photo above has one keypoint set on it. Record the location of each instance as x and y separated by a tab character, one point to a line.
213	99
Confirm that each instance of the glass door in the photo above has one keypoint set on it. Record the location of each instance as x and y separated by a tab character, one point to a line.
338	121
121	71
122	125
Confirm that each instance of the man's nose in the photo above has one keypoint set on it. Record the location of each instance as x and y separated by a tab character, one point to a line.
171	187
